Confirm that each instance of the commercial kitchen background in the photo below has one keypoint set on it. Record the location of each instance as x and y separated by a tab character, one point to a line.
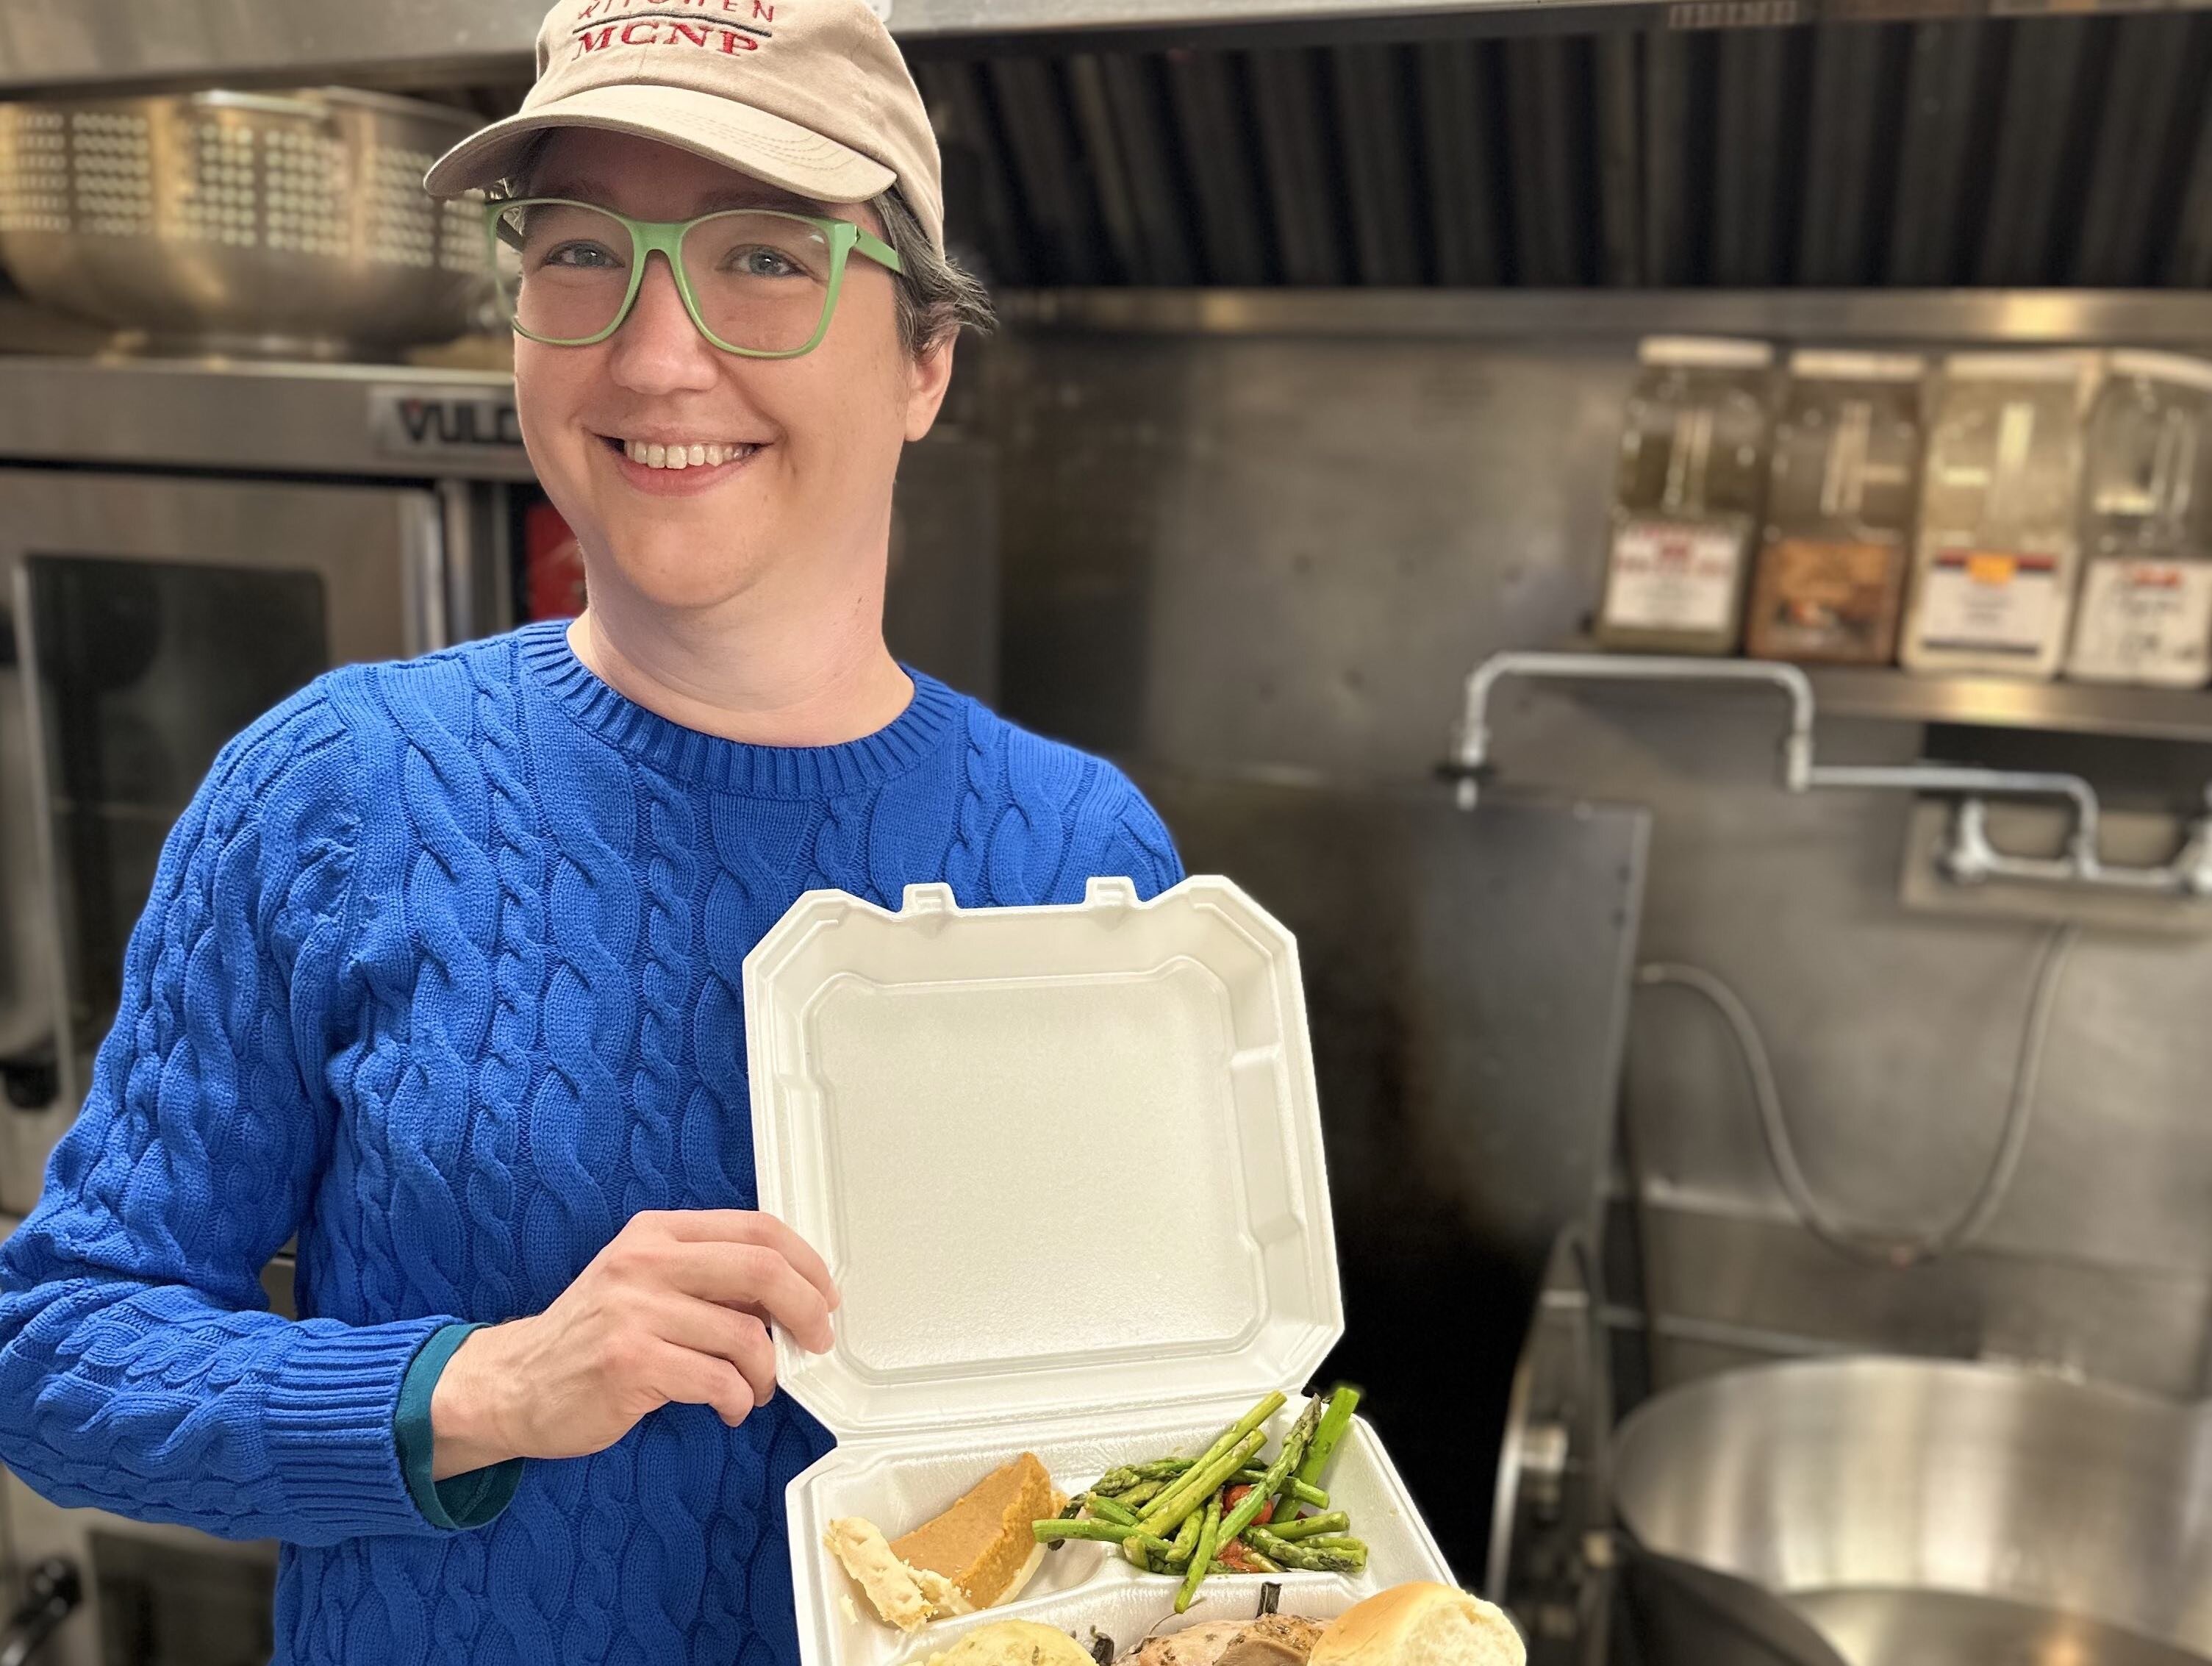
1320	323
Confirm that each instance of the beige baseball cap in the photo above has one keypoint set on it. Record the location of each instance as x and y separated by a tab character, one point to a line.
811	95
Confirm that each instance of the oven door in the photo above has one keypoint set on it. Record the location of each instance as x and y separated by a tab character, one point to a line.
145	621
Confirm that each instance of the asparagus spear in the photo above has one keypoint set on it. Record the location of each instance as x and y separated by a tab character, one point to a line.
1106	1510
1335	1521
1253	1562
1290	1489
1195	1488
1343	1401
1141	1494
1147	1551
1294	1449
1326	1556
1053	1532
1234	1433
1186	1539
1202	1559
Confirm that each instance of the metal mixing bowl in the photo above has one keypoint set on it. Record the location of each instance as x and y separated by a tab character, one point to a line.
1927	1513
243	222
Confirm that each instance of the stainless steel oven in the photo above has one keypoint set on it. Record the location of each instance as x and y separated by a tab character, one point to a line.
182	546
151	619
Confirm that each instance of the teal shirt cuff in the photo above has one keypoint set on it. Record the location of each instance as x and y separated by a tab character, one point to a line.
458	1501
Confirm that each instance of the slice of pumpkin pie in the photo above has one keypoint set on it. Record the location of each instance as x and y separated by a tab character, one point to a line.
983	1543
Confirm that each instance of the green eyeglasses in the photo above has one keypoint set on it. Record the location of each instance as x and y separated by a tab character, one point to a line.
757	281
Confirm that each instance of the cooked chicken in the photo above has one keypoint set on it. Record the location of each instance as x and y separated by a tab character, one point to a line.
1201	1645
1274	1639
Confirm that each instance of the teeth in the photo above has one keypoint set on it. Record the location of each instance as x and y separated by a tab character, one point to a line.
693	456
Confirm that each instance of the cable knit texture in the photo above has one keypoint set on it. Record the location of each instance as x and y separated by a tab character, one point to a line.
440	972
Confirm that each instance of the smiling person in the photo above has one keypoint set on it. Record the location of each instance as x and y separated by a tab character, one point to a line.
441	973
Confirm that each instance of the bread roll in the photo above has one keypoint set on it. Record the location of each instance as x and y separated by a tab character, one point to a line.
1421	1624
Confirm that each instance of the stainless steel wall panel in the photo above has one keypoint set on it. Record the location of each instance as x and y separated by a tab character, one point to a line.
1316	533
2142	1331
1283	551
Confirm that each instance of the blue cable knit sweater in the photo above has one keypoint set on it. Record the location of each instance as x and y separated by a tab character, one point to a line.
440	972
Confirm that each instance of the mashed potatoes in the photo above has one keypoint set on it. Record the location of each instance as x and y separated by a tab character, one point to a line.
1013	1643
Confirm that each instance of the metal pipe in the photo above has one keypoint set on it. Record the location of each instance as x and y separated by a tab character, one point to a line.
1970	857
1978	783
1472	753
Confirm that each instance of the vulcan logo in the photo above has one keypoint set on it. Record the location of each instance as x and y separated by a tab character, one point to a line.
725	26
409	422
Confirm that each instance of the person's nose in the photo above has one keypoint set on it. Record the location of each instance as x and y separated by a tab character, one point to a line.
658	349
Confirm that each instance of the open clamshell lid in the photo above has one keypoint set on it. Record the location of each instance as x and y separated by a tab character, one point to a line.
1060	1159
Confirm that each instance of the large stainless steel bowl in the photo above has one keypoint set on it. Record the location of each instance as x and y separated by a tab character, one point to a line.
1938	1514
242	222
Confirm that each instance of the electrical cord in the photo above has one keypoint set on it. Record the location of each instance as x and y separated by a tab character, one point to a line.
1782	1149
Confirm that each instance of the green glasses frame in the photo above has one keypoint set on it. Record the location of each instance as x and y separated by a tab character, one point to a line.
666	236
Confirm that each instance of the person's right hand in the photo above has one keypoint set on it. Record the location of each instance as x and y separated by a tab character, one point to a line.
676	1308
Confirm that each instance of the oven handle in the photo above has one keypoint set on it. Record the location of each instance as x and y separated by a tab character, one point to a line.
53	1594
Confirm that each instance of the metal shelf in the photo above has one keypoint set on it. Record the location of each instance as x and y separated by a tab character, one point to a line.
2003	702
1939	317
1885	694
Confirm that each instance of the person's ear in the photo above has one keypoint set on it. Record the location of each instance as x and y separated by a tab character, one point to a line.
929	373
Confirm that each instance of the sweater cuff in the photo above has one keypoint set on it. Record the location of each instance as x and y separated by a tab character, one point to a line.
329	1406
460	1501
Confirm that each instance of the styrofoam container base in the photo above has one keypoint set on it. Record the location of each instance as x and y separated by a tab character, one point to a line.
1082	1588
1065	1162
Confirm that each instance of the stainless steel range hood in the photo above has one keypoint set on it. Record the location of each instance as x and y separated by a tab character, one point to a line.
56	44
1426	144
51	45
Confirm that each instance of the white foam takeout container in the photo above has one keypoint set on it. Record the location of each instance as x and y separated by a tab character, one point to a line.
1065	1164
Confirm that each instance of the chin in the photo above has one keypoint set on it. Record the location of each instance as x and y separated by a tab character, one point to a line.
685	572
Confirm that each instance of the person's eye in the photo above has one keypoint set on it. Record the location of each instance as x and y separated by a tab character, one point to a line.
587	256
762	261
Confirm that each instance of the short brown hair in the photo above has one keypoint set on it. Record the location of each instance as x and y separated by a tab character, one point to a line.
937	298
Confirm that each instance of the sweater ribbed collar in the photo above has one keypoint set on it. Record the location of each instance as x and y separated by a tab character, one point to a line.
735	766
